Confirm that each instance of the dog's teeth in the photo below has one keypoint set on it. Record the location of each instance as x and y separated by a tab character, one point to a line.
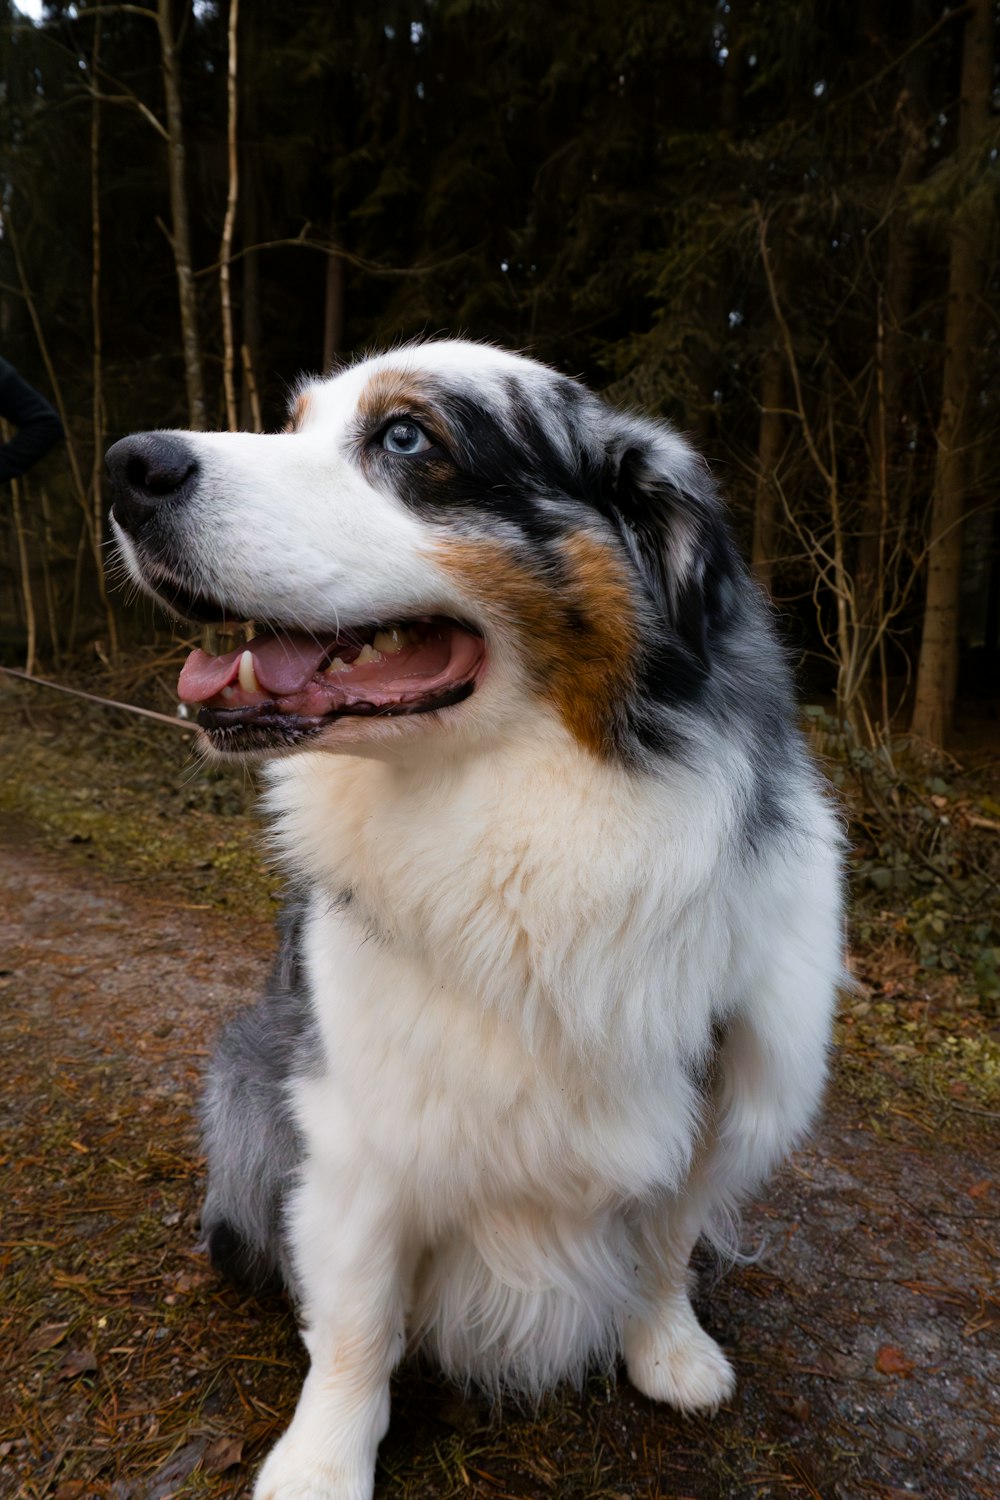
365	655
229	692
389	641
247	676
338	665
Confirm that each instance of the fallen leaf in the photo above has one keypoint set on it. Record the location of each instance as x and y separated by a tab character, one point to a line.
980	1189
77	1362
222	1454
177	1468
186	1281
48	1337
892	1361
797	1407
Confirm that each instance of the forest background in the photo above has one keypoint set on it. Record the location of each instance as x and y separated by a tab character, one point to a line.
774	224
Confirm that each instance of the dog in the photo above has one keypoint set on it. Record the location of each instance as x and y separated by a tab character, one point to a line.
555	986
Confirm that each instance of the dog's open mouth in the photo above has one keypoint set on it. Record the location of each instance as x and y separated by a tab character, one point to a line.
286	685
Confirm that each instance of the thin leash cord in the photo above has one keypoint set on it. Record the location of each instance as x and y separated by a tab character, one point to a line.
129	708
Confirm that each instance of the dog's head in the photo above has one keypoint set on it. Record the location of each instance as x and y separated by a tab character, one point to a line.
443	539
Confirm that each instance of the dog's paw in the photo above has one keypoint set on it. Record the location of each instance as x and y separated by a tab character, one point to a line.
298	1470
679	1364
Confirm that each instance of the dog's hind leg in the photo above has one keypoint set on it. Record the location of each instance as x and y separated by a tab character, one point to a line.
248	1134
768	1083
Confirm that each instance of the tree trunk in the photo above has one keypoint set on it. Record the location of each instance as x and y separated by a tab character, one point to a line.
24	565
48	552
937	672
892	368
250	398
333	319
770	446
180	234
228	347
249	190
97	395
991	621
249	404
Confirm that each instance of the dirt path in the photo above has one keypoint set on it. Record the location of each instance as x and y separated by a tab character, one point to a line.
864	1335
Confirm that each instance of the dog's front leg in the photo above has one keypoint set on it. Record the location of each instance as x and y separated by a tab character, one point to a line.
347	1257
669	1356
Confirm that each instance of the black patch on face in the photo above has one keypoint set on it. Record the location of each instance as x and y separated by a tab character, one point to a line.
509	466
543	460
500	465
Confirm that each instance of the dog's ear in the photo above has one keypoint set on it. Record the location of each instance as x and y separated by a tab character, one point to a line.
664	503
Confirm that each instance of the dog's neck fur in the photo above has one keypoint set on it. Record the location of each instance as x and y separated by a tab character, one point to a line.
514	875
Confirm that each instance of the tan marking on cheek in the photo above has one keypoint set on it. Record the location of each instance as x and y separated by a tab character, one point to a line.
298	414
577	635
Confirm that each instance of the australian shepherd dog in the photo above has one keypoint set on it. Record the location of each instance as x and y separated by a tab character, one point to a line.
559	960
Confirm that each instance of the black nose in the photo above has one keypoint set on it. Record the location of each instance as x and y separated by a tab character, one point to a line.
146	471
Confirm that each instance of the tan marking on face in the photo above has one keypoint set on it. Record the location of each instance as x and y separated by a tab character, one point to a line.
298	413
577	635
398	393
387	392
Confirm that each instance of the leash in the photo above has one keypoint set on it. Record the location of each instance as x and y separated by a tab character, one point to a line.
129	708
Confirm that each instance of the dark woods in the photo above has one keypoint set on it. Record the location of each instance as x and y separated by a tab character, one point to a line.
773	223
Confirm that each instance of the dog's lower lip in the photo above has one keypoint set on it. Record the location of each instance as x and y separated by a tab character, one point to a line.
262	715
266	719
248	728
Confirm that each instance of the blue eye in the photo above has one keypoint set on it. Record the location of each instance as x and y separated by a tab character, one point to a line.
405	438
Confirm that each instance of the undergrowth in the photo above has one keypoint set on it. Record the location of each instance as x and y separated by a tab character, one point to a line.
925	857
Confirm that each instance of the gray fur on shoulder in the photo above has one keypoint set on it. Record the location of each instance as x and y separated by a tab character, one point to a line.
248	1134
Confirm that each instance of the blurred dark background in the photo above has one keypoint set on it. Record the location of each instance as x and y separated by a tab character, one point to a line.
774	224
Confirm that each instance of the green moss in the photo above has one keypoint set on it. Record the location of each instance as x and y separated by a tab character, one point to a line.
140	803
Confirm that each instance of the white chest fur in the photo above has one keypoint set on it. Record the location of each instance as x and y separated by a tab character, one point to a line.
515	964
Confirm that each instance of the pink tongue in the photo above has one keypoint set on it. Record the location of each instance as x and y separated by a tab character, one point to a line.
283	664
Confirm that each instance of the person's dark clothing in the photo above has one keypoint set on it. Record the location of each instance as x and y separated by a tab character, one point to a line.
37	425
